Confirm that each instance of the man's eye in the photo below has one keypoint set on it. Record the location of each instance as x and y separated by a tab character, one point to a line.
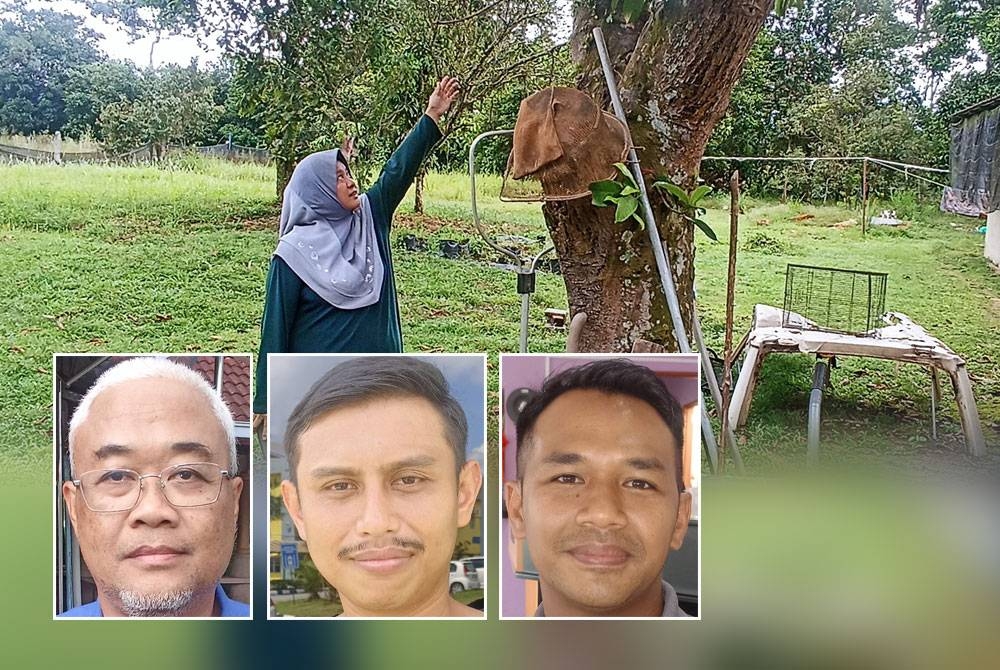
568	479
340	486
116	477
409	480
187	475
640	484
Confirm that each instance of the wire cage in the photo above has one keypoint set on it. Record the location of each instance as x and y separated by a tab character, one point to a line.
835	300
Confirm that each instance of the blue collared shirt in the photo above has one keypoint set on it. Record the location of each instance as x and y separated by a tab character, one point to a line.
227	607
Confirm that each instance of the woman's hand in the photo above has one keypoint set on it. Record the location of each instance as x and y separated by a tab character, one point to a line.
442	97
347	147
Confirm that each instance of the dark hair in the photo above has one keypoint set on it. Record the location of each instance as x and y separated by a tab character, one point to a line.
613	376
360	380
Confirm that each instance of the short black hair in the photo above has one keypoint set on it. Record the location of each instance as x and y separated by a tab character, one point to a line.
360	380
612	376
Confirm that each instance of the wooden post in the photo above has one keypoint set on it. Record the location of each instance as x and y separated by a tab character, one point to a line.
727	371
57	148
864	197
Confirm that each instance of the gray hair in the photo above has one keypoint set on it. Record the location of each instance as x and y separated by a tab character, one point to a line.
376	377
154	367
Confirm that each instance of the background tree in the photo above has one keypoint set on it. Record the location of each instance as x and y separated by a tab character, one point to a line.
314	71
93	87
39	52
175	105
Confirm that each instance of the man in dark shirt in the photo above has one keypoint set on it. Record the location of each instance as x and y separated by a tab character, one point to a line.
600	497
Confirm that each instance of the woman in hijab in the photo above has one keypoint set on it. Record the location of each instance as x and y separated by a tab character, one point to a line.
330	287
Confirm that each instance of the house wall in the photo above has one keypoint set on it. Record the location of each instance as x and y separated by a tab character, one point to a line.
992	247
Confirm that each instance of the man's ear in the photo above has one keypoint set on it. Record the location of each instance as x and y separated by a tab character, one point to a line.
681	522
470	480
515	512
72	498
290	495
237	484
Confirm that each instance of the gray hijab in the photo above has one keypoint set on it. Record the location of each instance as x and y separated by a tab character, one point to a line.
331	249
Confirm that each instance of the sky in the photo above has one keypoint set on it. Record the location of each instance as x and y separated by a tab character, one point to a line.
118	45
173	49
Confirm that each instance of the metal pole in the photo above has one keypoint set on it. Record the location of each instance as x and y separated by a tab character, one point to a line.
727	365
864	197
935	390
821	374
659	253
525	269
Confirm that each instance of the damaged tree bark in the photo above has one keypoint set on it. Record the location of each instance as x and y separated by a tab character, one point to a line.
677	64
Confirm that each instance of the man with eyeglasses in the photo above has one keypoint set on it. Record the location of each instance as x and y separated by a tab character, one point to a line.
154	499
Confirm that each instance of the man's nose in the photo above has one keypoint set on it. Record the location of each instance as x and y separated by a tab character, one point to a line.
153	508
377	515
602	505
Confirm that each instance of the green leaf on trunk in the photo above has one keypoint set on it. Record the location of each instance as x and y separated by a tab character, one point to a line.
604	192
700	193
627	206
707	229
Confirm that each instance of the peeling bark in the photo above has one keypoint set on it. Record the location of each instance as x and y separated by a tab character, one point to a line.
676	68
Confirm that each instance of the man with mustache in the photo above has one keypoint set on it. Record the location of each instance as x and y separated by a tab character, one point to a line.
153	498
600	497
379	485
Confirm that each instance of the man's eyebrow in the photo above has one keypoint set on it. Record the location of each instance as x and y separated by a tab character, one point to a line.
109	450
333	471
563	458
343	471
646	464
412	462
191	448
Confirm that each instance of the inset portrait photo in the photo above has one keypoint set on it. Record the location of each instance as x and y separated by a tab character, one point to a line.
152	486
376	475
601	479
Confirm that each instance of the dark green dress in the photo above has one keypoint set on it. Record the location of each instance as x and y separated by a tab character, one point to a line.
298	320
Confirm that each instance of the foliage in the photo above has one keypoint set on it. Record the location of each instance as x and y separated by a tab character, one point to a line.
852	83
623	193
309	578
174	105
93	87
312	72
40	50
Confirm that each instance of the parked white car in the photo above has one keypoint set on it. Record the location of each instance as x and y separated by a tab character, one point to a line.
462	576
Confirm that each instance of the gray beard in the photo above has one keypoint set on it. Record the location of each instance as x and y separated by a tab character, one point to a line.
170	603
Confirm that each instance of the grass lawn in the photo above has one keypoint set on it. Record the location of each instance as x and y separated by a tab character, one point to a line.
102	258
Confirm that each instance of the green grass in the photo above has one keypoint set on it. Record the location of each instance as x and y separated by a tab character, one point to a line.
937	276
173	258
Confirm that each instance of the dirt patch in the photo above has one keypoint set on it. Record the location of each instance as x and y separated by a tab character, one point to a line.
803	217
432	224
262	223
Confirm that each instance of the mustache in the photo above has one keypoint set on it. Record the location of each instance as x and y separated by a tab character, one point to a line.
402	542
616	538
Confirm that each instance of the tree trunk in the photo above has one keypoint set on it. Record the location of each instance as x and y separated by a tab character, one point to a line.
283	169
676	67
418	190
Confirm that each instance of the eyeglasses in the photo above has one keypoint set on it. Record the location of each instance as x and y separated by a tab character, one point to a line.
184	485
